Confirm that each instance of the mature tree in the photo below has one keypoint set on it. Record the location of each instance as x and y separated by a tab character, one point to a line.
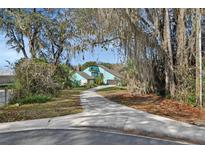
42	33
22	28
198	59
169	67
181	55
159	46
88	64
59	35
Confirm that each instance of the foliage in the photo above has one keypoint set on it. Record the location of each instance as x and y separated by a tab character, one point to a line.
158	43
108	65
91	85
62	75
64	104
122	82
88	64
60	36
34	77
132	77
41	33
113	89
99	80
75	84
22	24
186	85
93	63
32	99
192	99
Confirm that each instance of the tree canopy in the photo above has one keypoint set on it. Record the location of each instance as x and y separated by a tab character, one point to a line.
162	47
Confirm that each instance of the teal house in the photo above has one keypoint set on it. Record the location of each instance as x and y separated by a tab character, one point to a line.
110	77
81	78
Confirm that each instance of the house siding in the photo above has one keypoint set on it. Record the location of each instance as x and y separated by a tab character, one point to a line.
87	71
79	78
107	75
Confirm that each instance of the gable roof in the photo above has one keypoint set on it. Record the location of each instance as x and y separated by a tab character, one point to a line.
86	76
113	72
5	79
6	72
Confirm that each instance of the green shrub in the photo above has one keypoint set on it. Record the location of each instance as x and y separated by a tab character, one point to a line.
34	77
122	82
99	80
91	85
75	84
192	99
87	64
113	88
63	75
33	99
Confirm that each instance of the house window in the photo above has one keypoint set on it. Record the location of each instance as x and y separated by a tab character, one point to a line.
94	74
94	71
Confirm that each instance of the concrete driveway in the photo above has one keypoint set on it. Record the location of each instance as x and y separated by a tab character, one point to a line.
102	113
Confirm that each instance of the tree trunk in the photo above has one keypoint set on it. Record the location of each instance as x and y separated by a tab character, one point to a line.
169	68
198	60
57	56
181	55
24	53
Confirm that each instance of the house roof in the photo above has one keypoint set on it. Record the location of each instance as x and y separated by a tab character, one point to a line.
6	72
5	79
115	73
86	76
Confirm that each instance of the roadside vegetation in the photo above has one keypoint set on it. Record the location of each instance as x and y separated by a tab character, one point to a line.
112	90
41	90
68	102
32	99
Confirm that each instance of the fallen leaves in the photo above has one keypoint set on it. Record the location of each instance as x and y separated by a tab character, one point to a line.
161	106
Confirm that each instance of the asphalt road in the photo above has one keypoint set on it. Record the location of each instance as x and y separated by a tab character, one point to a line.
76	137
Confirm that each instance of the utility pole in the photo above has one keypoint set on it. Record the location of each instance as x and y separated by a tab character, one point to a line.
198	60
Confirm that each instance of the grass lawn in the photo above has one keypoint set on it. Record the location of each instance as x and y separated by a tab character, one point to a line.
156	105
67	103
112	90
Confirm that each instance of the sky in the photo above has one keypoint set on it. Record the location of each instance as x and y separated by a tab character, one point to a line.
7	54
98	55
